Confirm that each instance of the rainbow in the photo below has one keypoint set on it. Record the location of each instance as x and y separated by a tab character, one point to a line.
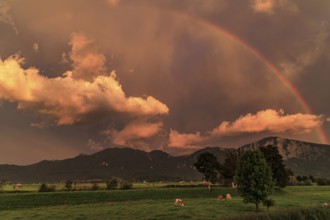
285	81
233	38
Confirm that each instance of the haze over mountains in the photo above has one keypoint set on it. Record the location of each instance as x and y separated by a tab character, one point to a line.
302	158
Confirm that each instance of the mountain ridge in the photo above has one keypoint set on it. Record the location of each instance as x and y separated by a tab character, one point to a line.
303	158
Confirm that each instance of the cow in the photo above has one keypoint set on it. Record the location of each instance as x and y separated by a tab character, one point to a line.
325	205
228	196
178	202
17	186
220	198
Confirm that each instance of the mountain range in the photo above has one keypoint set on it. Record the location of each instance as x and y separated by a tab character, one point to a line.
302	158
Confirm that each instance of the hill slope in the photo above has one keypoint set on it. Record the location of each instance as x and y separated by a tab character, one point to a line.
303	158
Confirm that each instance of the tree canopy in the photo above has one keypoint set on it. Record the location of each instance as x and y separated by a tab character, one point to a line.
229	167
275	161
208	165
254	178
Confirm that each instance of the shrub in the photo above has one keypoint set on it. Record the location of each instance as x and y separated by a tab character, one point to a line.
269	203
126	185
46	188
308	182
68	185
112	184
95	187
323	181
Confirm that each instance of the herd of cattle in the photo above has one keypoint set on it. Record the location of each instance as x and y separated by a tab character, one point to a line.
179	201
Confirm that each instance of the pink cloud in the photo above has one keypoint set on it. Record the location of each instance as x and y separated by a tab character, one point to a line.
113	3
180	140
269	6
269	121
88	62
76	95
136	130
95	146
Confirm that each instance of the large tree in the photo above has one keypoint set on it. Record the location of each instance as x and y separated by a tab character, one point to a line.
229	167
254	178
275	161
208	165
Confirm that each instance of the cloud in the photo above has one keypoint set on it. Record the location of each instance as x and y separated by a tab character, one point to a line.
70	98
266	121
41	124
113	3
136	130
179	140
95	146
6	17
88	63
271	121
309	54
35	47
269	6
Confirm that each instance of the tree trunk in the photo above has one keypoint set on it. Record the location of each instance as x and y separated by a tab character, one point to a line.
209	187
257	207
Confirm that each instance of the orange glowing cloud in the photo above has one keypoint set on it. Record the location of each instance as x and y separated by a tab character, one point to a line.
268	6
179	140
269	121
134	131
88	63
70	99
113	3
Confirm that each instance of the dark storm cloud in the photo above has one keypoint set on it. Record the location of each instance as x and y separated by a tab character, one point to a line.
166	50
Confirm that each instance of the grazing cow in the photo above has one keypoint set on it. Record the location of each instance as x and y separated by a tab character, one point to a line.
178	202
17	186
228	196
325	205
220	198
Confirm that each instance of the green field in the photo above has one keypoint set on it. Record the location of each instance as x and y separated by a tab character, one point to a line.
151	202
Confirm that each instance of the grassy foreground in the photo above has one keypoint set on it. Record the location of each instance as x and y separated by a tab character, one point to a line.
154	203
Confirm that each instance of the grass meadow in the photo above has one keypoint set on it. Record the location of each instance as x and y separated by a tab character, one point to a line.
150	201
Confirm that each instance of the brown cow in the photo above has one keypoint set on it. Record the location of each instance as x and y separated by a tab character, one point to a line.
220	198
178	202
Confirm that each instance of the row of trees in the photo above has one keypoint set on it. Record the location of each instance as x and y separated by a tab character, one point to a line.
70	185
255	172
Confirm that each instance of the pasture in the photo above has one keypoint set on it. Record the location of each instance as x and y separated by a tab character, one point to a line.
150	201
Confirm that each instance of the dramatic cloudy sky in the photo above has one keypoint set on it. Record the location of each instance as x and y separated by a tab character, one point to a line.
81	76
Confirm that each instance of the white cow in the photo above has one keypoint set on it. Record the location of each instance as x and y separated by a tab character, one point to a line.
178	202
325	205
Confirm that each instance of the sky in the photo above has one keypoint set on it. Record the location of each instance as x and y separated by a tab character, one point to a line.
77	77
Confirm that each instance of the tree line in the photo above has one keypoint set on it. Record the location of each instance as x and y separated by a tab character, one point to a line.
255	172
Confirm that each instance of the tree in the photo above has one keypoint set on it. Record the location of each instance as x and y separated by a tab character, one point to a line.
229	167
46	188
95	187
68	185
254	178
269	203
112	184
275	161
208	165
